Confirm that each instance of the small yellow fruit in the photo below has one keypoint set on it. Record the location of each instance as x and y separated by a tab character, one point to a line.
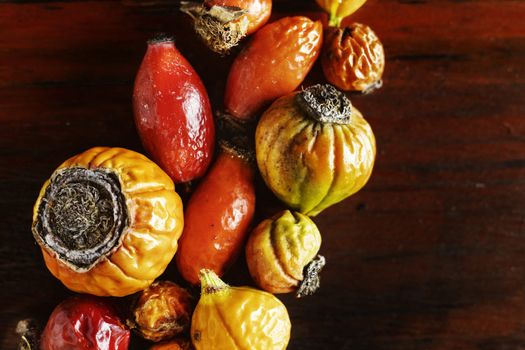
238	318
278	250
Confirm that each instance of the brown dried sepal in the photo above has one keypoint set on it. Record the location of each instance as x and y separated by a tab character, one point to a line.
236	136
82	216
29	332
325	104
220	27
312	277
353	58
162	311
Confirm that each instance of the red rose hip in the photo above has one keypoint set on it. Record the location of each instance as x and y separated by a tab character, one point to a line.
84	323
218	215
173	113
273	64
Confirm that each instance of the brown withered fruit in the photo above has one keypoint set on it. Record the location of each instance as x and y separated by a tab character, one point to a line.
353	58
161	311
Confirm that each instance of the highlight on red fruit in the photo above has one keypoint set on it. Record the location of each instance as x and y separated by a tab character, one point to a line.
218	215
172	112
84	323
273	64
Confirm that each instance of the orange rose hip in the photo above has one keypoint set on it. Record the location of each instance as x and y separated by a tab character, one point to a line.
217	216
353	58
273	64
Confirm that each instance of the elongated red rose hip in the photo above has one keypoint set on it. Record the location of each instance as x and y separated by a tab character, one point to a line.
273	64
218	215
172	112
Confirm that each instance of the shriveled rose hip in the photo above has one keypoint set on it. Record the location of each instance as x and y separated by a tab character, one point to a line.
162	311
84	323
353	58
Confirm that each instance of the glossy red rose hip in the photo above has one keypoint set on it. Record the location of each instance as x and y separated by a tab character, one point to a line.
173	113
217	216
273	64
84	323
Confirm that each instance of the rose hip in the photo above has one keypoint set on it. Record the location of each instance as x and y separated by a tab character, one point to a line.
84	323
217	216
173	113
273	64
161	311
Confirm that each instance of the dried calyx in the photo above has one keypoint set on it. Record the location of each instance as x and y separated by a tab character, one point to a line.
221	27
81	216
325	104
29	332
238	150
374	86
312	279
235	136
160	38
346	32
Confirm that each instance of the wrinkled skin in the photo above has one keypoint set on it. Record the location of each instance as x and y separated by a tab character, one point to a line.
238	318
84	323
311	165
149	241
279	248
353	58
173	113
162	311
273	64
217	217
258	11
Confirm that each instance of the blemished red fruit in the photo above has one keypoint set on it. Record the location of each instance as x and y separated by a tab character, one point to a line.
173	113
84	323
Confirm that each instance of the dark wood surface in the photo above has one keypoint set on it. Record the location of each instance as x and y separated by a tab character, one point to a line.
430	255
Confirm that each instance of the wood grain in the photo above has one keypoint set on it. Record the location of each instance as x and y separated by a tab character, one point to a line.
430	255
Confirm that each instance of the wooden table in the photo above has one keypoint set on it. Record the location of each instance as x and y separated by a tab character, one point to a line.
430	255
